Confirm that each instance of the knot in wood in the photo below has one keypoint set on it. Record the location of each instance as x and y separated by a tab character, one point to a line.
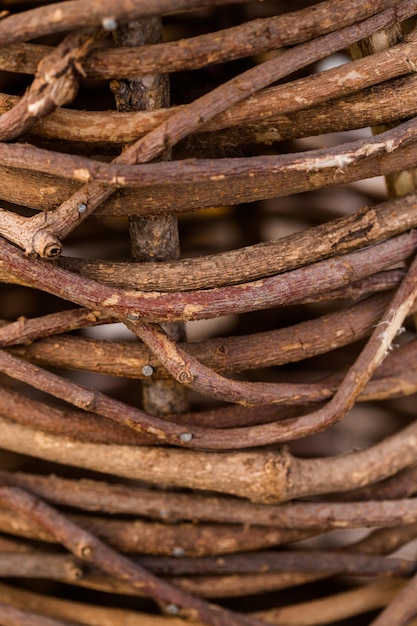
46	244
185	377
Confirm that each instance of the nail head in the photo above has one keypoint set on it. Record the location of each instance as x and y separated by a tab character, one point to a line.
147	370
109	23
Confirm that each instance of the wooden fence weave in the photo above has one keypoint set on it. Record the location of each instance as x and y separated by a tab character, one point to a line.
208	352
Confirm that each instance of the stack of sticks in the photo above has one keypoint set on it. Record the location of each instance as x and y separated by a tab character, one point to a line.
207	251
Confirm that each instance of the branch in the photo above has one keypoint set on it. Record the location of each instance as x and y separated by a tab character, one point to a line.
55	84
172	507
202	171
311	613
63	16
88	548
42	233
293	287
253	37
229	473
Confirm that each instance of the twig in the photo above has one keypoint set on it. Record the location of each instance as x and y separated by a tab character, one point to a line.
55	84
367	226
41	233
227	354
63	16
290	288
158	199
39	565
173	507
202	171
253	37
312	613
25	330
66	422
137	536
88	548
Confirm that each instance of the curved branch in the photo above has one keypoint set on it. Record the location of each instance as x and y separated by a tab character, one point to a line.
88	548
255	475
254	37
293	287
62	16
55	84
42	233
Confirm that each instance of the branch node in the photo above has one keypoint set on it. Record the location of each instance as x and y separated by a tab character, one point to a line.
45	244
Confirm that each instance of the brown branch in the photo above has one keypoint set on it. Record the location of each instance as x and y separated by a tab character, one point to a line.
294	287
387	540
374	105
190	372
45	192
310	561
260	112
254	37
25	330
331	608
66	422
336	607
88	548
227	354
41	233
139	537
95	496
22	410
63	16
81	611
55	84
257	476
173	507
367	226
201	171
403	485
39	565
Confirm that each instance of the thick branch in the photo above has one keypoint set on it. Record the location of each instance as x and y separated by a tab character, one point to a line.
257	476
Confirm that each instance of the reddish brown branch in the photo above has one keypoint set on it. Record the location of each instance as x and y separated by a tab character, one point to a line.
290	288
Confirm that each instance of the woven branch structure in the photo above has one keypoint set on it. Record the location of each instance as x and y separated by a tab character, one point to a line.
208	352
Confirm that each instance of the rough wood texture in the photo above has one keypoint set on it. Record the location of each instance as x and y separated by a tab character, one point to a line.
206	164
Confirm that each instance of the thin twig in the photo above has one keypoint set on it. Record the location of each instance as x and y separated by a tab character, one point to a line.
88	548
